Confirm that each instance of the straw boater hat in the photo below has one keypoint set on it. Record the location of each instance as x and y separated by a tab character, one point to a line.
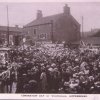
53	65
51	69
97	84
42	64
74	75
76	59
55	69
26	59
81	73
32	82
66	83
91	78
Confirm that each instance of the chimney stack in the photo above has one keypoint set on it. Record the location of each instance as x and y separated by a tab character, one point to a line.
16	26
66	9
39	14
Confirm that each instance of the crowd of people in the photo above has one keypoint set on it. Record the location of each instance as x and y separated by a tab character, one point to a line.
54	70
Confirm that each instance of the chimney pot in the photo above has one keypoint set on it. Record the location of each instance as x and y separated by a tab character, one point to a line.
66	9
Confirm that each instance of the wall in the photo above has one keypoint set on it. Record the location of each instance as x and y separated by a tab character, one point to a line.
40	32
66	30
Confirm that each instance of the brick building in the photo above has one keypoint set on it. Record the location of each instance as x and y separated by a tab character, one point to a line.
15	35
59	27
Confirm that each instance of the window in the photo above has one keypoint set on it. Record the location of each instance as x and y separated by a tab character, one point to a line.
34	31
43	36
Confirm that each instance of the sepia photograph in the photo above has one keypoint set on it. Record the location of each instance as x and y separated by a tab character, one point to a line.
50	48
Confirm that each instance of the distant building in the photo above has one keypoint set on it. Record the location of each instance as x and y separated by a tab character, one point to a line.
91	37
90	33
15	35
59	27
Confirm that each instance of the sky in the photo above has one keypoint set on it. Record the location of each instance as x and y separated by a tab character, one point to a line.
23	13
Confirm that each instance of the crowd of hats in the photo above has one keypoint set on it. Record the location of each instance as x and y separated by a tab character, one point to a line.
66	70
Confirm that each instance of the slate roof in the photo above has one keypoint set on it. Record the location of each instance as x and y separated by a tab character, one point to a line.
48	19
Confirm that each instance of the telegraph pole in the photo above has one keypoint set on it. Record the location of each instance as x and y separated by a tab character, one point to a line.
7	27
52	36
82	35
